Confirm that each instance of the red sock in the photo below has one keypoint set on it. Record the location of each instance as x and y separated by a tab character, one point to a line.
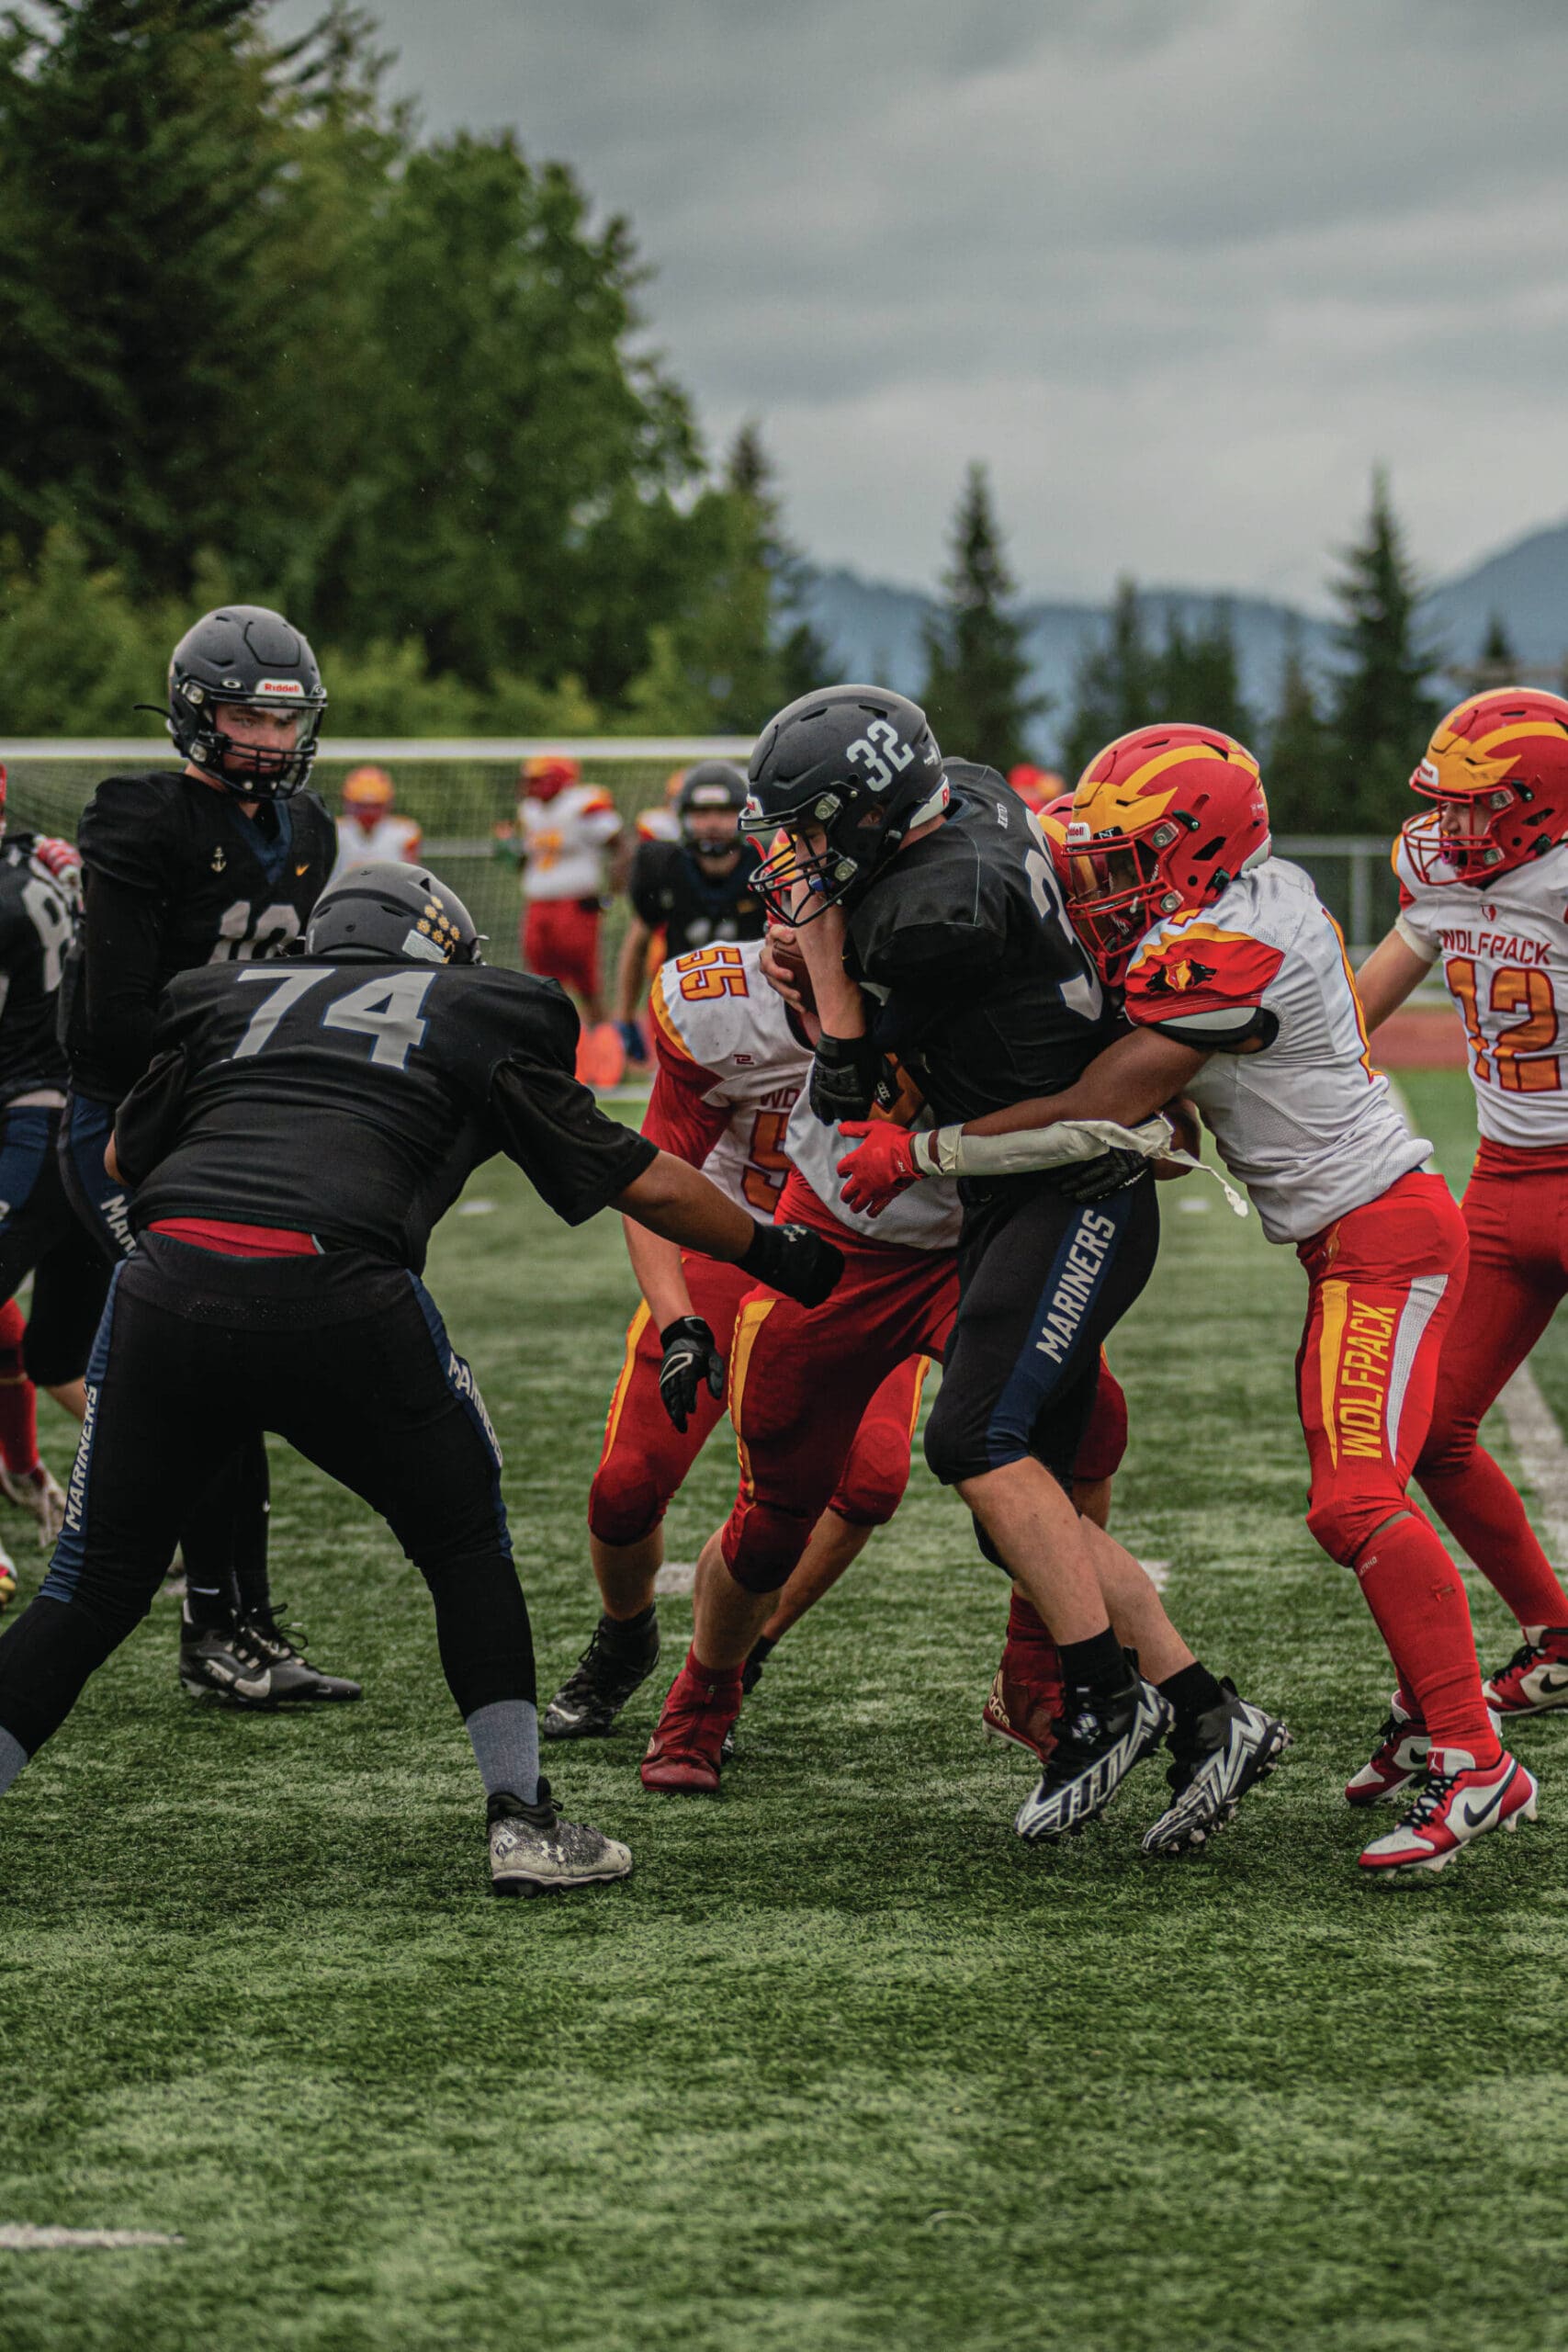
1413	1592
19	1397
1484	1512
724	1680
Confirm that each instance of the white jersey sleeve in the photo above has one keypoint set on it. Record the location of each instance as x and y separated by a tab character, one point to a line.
1504	951
389	837
1304	1121
724	1040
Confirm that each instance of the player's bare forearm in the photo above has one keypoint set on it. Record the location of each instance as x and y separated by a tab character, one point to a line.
841	1007
1128	1083
680	1205
657	1265
629	970
1386	978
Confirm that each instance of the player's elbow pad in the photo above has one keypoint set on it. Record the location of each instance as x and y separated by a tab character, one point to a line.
845	1075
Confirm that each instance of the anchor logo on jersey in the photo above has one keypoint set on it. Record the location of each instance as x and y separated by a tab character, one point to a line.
219	860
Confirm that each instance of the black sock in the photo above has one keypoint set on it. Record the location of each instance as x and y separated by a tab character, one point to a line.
1193	1692
209	1605
757	1657
631	1634
1095	1665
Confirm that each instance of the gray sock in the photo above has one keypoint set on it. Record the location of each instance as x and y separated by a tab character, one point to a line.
13	1756
506	1747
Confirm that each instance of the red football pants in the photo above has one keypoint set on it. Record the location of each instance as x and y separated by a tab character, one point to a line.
1385	1282
801	1379
1515	1208
560	942
645	1458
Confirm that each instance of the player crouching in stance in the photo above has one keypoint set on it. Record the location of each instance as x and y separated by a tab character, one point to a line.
1483	887
931	923
297	1135
1236	984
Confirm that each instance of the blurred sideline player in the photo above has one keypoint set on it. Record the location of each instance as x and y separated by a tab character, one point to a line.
731	1061
1484	891
368	825
1038	788
218	861
296	1136
691	891
661	823
565	830
1236	980
932	923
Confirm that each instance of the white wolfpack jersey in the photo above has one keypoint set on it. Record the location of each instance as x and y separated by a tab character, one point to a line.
1305	1123
927	1216
1504	950
659	824
390	836
730	1069
564	839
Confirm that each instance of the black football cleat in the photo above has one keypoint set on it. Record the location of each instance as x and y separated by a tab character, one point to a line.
533	1851
1100	1737
616	1662
221	1661
1216	1758
294	1680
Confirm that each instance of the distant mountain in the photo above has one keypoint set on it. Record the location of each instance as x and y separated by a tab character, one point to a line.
874	627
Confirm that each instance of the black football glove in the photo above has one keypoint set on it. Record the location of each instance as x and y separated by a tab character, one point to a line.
690	1358
793	1258
1086	1180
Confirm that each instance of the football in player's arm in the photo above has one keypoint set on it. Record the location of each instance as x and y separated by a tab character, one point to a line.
296	1136
1482	876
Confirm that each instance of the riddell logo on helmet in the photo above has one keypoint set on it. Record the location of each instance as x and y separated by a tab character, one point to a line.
279	686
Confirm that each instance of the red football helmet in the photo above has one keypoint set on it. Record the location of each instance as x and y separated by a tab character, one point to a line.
542	779
1497	770
1163	818
367	792
1054	817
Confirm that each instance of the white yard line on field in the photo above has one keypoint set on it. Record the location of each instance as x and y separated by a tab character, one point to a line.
26	2237
1543	1456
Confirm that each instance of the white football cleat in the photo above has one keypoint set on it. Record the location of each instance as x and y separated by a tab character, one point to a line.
533	1851
1398	1758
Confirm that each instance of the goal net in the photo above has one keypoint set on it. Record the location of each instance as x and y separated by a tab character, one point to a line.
462	793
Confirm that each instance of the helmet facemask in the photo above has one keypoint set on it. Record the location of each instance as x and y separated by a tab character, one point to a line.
260	770
799	882
1119	890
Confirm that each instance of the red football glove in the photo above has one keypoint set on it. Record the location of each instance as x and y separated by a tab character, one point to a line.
881	1167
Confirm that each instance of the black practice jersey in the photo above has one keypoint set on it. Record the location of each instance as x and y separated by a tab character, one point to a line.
352	1100
175	874
37	925
991	998
671	894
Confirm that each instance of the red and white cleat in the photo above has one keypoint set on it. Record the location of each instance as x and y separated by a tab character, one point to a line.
1535	1680
1399	1758
1458	1801
37	1491
686	1752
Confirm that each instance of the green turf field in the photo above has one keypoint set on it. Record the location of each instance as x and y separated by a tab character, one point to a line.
845	2065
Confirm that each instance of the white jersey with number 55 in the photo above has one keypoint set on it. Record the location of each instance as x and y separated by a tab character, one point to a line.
1504	951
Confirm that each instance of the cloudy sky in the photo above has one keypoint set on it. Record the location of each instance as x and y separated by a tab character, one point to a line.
1179	270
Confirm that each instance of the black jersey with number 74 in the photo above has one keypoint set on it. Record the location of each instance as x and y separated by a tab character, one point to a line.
352	1100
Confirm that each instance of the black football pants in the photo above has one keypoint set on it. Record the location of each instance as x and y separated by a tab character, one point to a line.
1043	1280
222	1537
346	1359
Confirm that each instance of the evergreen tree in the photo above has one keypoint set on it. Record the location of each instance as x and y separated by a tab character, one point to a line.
1116	684
976	669
1196	677
1382	711
1299	768
1497	655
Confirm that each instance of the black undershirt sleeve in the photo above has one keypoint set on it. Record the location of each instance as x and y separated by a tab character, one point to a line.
123	942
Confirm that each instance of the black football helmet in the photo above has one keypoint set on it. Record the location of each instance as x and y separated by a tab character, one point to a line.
243	653
711	785
858	763
386	912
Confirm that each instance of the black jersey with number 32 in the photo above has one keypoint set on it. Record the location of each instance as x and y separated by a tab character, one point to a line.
352	1100
218	886
992	998
36	927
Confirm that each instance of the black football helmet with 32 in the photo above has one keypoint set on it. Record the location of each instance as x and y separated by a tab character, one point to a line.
859	765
